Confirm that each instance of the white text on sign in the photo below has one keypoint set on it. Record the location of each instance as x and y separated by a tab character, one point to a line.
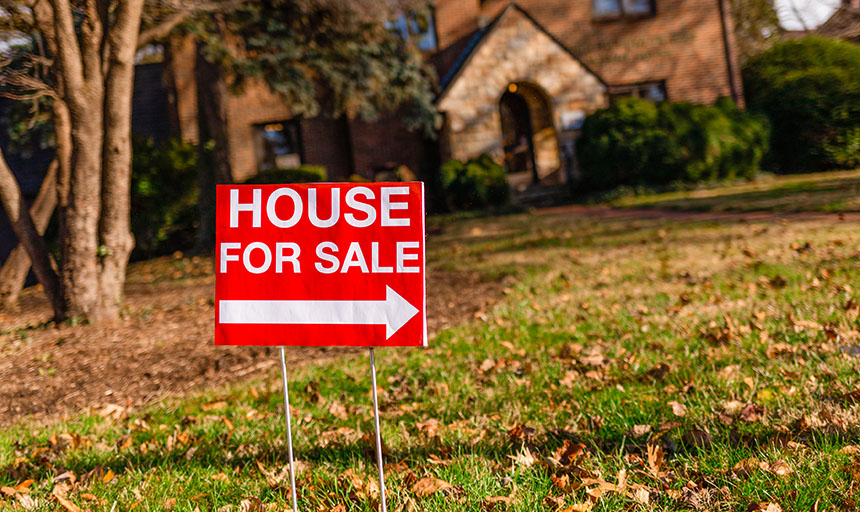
285	208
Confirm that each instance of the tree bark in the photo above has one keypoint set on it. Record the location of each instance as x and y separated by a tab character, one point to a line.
13	274
25	230
115	230
213	153
81	69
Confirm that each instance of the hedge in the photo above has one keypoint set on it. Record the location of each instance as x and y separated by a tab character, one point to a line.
635	142
809	88
475	184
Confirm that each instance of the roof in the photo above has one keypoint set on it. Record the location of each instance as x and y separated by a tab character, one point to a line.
844	24
481	35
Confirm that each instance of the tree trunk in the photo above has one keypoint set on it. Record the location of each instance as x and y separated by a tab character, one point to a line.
79	46
213	154
13	274
22	224
81	243
115	229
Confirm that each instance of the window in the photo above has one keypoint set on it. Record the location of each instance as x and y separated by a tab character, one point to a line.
277	145
651	91
610	9
419	28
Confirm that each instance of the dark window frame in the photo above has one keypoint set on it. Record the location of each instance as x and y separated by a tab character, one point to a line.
621	14
296	126
637	90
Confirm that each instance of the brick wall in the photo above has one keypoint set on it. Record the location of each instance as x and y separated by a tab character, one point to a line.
384	144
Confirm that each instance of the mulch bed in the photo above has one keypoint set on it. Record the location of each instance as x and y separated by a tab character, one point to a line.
162	347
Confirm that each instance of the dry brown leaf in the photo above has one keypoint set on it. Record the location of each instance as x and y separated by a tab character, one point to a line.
746	466
169	504
24	486
214	406
66	504
429	485
569	379
27	502
429	427
640	430
579	507
642	496
764	506
338	410
655	459
752	413
780	468
108	476
678	409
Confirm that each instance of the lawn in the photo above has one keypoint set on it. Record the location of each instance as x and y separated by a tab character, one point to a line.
646	364
820	192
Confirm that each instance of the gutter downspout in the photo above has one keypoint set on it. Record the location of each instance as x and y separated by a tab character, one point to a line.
734	86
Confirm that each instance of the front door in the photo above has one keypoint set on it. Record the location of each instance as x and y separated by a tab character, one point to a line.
518	140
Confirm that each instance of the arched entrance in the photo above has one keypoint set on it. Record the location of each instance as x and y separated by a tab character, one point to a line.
528	135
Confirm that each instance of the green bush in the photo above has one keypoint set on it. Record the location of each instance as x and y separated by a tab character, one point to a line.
809	88
302	174
164	193
478	183
635	142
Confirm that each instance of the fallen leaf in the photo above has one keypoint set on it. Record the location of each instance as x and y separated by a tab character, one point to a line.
27	502
338	410
642	496
678	409
780	468
752	413
429	485
214	406
764	506
66	504
640	430
23	486
524	458
655	459
579	507
108	476
169	504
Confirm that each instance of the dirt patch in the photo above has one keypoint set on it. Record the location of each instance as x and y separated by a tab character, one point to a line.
163	346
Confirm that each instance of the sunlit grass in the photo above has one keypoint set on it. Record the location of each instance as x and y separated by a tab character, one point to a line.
710	343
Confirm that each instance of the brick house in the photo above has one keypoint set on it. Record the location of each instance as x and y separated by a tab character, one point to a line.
515	81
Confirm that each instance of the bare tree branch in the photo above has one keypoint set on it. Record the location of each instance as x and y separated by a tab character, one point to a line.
67	48
162	29
28	236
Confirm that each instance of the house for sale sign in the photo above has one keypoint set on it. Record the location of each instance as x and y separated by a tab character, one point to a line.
332	264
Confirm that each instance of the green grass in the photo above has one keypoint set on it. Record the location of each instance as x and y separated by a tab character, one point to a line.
706	343
824	192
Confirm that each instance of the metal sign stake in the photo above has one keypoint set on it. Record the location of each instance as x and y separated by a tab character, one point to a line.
290	430
378	436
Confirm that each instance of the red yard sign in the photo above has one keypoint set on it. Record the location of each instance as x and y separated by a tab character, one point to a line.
332	264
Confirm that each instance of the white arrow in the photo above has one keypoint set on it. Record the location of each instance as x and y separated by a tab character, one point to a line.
393	312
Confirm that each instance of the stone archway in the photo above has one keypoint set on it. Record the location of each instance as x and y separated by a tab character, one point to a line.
529	139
